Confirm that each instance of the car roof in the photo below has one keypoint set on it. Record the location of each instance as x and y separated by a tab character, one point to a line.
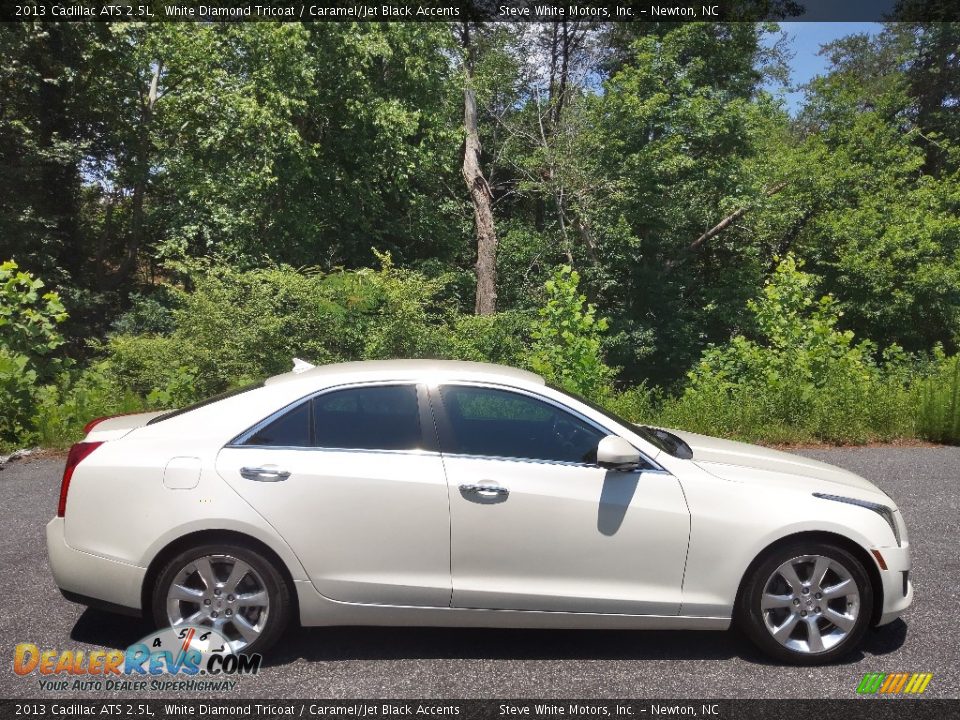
406	370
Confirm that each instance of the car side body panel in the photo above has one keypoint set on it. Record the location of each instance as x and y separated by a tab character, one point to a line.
121	514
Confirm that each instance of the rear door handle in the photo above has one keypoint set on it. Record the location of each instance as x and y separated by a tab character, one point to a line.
485	490
267	473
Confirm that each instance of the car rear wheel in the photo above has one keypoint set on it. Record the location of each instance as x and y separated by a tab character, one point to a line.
807	603
229	588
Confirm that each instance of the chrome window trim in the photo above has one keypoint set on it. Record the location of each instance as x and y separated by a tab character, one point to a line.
654	466
311	448
240	440
565	463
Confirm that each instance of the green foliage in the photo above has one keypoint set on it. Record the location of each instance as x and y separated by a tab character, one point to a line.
801	379
939	415
406	319
28	336
501	338
28	319
65	406
147	314
204	197
568	339
17	397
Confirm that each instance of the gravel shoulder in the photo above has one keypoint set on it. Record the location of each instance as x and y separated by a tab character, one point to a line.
413	662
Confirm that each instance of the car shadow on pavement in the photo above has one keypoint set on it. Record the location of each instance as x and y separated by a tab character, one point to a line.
393	643
98	627
333	644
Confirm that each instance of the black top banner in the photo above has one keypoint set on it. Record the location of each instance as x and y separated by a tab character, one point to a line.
479	10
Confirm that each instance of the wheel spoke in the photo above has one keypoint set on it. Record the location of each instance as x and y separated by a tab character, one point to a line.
844	587
219	604
808	602
789	573
254	599
180	592
783	632
844	622
820	568
237	574
190	620
248	631
769	601
205	571
814	639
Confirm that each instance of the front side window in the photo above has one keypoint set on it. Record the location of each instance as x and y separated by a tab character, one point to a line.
500	423
364	418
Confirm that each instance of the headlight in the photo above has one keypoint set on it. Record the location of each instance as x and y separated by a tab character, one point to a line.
882	510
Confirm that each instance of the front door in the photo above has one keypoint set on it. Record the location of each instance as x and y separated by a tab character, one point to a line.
537	525
352	481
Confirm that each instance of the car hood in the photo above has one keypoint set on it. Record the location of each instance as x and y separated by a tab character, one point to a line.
728	459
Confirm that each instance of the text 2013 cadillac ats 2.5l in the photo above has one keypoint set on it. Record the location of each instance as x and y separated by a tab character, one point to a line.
463	494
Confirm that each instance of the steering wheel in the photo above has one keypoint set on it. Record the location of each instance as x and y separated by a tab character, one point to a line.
565	432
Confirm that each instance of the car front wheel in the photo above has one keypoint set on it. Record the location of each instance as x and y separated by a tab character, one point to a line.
229	588
807	603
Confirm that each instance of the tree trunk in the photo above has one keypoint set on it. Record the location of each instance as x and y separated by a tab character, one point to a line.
480	194
140	187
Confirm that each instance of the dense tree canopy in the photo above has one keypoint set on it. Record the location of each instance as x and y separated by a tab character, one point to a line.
652	159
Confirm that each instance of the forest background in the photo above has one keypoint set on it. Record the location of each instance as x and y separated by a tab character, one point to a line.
629	210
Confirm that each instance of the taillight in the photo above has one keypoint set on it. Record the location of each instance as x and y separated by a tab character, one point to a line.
77	453
96	421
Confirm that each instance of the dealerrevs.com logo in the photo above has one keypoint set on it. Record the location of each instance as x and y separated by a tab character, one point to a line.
894	683
157	662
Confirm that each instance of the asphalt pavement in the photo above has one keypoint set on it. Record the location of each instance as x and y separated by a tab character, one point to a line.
347	663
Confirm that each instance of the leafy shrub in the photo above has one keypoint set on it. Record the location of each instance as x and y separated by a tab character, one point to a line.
65	406
148	314
237	326
500	338
568	339
28	336
801	379
939	401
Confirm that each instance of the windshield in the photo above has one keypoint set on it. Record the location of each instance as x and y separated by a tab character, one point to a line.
660	439
207	401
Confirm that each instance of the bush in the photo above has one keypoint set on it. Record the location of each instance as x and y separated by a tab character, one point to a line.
568	339
939	400
64	407
28	337
802	379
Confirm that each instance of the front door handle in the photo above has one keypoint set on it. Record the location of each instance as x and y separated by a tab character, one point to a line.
485	490
267	473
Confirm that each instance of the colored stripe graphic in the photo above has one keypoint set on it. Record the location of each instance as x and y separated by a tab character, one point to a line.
871	683
894	683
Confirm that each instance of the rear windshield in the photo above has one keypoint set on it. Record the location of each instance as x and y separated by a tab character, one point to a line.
208	401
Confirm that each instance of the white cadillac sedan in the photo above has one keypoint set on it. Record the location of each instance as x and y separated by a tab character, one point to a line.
418	492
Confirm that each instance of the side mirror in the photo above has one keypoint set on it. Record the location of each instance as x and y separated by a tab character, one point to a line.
616	453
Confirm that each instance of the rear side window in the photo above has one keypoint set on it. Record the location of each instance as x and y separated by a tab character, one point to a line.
369	418
292	429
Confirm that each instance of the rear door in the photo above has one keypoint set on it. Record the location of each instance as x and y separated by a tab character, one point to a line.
352	479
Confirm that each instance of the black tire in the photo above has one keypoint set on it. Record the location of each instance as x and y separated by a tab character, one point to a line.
750	619
280	606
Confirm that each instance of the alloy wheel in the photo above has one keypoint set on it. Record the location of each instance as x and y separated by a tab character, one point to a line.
220	592
810	604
